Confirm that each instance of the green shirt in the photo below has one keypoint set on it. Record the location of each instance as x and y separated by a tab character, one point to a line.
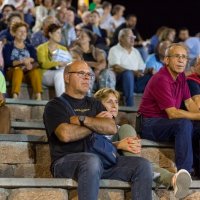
2	83
92	6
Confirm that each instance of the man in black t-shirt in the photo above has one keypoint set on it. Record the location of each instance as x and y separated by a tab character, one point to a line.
68	127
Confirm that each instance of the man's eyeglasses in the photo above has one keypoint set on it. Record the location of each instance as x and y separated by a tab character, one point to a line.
83	75
179	56
132	37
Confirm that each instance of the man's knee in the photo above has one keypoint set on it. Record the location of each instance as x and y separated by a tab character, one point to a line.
143	166
184	126
93	163
128	74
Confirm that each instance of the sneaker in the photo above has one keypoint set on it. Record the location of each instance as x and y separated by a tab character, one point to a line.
182	183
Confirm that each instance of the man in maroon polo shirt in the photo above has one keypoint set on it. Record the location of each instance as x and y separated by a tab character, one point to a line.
163	120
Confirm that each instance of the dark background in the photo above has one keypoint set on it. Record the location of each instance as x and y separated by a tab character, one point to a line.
155	13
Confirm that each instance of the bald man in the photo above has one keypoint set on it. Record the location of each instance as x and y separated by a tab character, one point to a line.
68	126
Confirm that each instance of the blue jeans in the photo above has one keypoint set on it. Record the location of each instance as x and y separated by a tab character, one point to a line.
166	130
128	84
87	169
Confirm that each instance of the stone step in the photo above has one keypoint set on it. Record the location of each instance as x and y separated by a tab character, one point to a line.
49	93
40	139
32	110
65	189
29	102
26	92
23	138
56	182
27	125
23	155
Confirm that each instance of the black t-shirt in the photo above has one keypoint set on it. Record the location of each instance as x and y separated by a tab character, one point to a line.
194	87
56	112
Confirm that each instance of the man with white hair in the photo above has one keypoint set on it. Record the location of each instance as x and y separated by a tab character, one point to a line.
128	65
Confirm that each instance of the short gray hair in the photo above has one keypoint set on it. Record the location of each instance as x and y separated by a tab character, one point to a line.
171	46
123	32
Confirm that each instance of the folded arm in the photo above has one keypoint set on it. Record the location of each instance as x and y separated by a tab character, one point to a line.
192	112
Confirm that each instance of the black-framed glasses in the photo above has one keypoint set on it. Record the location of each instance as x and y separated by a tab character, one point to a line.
179	56
83	74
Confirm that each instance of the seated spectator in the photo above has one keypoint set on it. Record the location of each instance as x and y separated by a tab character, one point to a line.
183	34
52	71
193	45
131	22
20	61
85	50
4	110
126	140
85	17
117	16
105	16
102	40
163	118
6	35
168	34
127	63
46	8
6	10
155	61
66	20
38	37
70	122
155	40
26	7
193	81
82	7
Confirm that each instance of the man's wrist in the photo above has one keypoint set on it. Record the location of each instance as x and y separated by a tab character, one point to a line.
81	119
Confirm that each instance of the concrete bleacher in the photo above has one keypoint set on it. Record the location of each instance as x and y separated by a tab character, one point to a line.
25	174
25	160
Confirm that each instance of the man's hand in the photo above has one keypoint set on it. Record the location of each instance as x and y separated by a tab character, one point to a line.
130	144
138	73
105	114
74	120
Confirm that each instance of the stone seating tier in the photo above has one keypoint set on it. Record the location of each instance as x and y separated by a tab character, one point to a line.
25	174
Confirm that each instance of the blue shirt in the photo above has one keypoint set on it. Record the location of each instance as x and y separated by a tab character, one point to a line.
193	44
153	62
38	38
194	87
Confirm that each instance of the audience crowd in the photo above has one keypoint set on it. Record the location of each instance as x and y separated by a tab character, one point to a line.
39	39
107	44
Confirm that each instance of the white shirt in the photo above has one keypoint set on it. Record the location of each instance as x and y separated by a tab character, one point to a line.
130	61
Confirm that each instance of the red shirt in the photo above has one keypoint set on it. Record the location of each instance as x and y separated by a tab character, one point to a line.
163	92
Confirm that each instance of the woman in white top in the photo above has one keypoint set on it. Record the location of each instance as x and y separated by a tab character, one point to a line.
117	17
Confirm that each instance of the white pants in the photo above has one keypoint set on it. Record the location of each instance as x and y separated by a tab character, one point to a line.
54	78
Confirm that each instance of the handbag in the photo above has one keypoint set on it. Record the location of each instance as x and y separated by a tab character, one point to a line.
103	148
99	145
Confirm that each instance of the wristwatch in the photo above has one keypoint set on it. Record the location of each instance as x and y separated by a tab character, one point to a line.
81	119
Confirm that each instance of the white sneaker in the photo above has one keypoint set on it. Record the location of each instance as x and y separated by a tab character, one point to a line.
182	183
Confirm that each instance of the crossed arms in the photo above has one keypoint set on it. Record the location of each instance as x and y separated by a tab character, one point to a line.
73	131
